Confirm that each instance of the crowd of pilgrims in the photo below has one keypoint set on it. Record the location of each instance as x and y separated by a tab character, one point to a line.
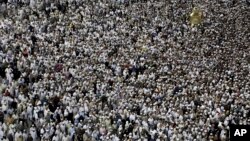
120	70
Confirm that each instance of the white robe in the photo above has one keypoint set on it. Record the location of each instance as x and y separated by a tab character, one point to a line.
1	134
25	1
33	134
65	138
33	4
9	74
10	1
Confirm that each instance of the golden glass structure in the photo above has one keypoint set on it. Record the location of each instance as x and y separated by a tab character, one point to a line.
195	17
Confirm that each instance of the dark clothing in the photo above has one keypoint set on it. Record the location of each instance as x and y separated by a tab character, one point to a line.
29	138
10	137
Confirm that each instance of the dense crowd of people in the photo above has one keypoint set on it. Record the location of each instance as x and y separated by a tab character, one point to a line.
77	70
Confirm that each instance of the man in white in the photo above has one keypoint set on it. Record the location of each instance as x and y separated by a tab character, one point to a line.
1	131
33	133
9	74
